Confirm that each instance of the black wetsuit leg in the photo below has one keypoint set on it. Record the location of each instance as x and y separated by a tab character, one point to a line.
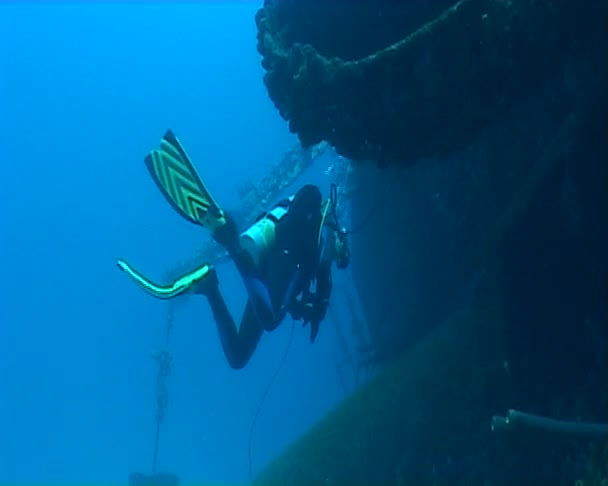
238	345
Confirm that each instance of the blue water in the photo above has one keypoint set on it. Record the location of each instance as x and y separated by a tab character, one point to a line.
85	92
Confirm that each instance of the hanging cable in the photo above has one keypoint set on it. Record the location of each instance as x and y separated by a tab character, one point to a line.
170	311
274	377
165	367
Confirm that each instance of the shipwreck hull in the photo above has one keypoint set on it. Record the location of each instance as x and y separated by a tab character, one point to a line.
482	269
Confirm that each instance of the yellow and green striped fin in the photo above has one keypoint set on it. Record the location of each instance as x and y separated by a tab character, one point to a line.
176	177
181	285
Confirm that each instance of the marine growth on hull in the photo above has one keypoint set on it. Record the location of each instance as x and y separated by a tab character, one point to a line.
396	82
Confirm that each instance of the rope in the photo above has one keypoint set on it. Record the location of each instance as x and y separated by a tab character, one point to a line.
165	367
169	323
155	448
257	413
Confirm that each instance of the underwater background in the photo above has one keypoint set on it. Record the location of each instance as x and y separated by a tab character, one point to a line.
86	90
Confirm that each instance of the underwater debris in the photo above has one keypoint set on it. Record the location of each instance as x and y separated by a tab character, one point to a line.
158	479
521	420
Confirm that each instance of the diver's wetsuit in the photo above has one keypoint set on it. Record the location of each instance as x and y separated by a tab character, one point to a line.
285	273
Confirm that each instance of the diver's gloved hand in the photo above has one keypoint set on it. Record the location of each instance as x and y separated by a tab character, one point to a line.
301	309
207	284
310	312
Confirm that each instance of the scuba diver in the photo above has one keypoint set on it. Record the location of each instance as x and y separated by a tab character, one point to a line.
284	258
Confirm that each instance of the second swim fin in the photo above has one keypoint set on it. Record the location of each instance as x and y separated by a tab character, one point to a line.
180	286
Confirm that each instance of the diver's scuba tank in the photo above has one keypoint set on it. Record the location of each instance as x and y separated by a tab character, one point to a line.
261	236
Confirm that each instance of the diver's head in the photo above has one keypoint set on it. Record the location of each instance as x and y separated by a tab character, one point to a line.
341	252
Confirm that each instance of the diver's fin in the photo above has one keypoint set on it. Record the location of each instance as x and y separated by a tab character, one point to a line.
181	285
176	177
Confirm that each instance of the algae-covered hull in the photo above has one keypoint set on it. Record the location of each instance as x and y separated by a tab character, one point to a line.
399	81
